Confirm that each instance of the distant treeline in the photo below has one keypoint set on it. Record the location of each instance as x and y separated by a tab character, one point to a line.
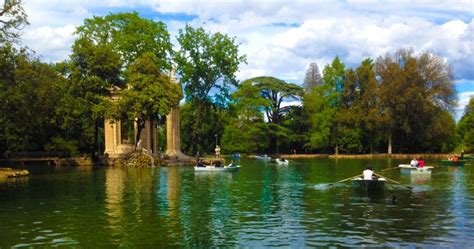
401	101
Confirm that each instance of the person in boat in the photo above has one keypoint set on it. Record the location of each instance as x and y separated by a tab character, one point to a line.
217	164
232	164
368	173
414	162
282	159
421	163
200	163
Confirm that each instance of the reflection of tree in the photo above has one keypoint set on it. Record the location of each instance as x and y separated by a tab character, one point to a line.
114	190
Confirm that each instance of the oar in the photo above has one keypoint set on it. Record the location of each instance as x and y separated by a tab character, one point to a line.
347	179
390	180
390	168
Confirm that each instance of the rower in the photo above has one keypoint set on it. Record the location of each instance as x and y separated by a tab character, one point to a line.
368	173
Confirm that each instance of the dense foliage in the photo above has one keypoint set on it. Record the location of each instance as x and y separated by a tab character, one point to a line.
466	127
207	64
402	100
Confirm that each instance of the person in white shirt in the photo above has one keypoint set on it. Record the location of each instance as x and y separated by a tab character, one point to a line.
368	173
414	162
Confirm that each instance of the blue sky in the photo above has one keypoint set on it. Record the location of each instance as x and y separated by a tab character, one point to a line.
281	38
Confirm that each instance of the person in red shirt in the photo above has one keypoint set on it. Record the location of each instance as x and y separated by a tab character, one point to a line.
421	163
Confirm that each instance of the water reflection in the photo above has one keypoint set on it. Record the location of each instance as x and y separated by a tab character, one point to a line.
114	190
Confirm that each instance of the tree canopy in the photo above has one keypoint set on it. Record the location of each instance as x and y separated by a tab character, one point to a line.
207	64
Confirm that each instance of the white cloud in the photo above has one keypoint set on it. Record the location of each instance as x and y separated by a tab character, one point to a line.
54	44
464	98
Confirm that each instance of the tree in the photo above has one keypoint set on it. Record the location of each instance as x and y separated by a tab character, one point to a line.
150	93
207	64
323	105
104	51
312	78
130	36
360	115
269	95
465	127
93	70
216	119
413	90
12	20
28	97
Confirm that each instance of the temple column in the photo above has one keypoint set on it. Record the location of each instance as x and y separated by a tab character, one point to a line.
173	145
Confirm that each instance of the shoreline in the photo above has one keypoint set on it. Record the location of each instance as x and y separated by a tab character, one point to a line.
87	162
368	156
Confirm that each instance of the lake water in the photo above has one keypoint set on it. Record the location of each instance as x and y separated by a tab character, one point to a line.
261	205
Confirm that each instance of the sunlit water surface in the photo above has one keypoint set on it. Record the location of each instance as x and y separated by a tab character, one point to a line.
262	205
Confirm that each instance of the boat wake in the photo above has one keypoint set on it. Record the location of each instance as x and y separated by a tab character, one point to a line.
325	186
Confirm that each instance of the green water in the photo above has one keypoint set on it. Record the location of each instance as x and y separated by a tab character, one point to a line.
262	205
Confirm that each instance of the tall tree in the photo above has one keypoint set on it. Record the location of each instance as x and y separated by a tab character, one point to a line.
312	78
93	70
120	39
207	64
271	93
413	89
465	127
12	20
360	108
323	106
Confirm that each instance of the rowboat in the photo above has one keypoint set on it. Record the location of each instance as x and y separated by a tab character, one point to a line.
453	163
216	169
263	157
408	169
369	185
281	162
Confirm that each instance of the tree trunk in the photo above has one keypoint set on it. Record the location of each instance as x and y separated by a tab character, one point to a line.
95	146
197	122
389	144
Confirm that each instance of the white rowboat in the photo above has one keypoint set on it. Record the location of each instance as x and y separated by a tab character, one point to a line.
281	162
216	169
408	169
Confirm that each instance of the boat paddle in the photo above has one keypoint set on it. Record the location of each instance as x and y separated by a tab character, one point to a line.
393	181
390	168
347	179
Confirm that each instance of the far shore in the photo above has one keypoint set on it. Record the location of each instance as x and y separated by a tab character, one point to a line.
361	156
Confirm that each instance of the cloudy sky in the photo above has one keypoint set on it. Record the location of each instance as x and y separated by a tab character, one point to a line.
281	38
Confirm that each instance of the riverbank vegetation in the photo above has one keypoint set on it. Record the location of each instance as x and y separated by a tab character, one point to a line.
401	102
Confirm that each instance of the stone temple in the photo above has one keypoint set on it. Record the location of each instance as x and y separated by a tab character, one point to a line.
117	141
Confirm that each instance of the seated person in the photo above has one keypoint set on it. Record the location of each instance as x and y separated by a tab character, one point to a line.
200	163
217	164
232	164
368	173
421	163
414	162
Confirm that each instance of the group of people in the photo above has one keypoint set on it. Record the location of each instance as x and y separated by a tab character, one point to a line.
216	163
418	163
453	158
